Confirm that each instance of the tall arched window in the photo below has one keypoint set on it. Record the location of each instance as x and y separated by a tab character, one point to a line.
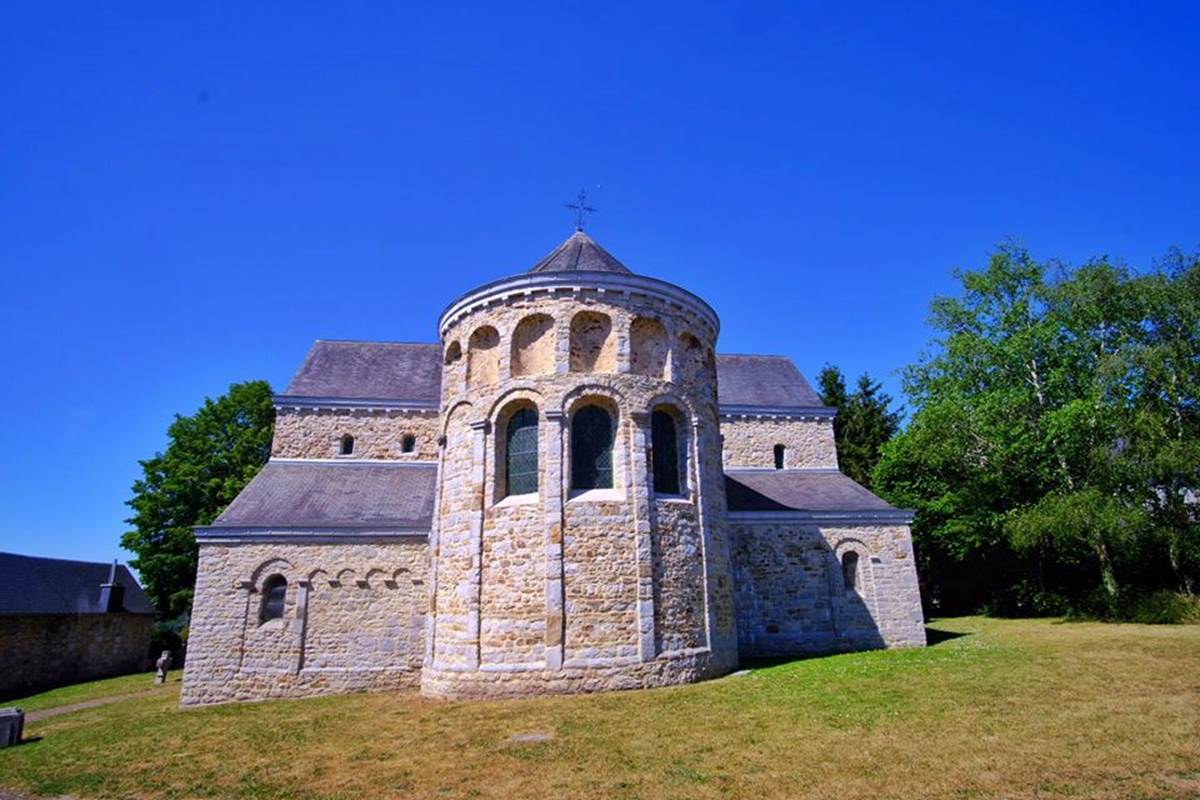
346	445
591	449
274	592
850	570
780	450
521	453
664	449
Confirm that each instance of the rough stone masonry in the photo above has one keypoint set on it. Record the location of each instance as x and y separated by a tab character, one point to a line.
571	491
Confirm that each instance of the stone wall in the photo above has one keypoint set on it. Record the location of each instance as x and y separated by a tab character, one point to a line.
308	433
354	620
791	597
750	442
40	652
563	589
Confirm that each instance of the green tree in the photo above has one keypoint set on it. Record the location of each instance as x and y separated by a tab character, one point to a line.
1055	429
209	457
864	422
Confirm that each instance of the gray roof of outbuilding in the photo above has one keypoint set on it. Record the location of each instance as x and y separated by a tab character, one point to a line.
579	253
403	371
798	490
335	494
370	370
33	585
749	380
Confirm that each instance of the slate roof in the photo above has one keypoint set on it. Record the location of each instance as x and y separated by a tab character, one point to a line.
370	370
579	253
798	490
32	585
762	381
402	371
332	494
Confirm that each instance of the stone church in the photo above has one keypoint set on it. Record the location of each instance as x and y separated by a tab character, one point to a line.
571	491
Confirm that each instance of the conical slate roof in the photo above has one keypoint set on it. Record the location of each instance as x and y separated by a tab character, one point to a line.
579	253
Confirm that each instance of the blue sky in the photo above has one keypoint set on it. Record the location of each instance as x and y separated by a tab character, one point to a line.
191	193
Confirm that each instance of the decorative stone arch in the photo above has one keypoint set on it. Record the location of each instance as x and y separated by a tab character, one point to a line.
483	356
271	566
453	412
533	346
649	348
344	577
593	342
693	356
865	585
374	576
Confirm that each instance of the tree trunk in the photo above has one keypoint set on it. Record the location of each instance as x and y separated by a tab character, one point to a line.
1108	577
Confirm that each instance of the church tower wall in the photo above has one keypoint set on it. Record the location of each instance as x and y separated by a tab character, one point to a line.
557	563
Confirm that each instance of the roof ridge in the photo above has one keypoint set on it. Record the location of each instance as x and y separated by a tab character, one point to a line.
63	560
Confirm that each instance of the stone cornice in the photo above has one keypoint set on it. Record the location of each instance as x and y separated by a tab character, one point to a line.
780	412
890	516
326	534
578	281
298	402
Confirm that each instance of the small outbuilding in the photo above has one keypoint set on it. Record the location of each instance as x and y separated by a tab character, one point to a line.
63	622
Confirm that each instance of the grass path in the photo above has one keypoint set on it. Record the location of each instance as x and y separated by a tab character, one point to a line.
1012	709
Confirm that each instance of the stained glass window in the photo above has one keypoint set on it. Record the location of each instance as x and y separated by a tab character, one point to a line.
664	448
521	453
274	592
591	449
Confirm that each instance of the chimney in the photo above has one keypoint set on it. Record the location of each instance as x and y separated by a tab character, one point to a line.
112	594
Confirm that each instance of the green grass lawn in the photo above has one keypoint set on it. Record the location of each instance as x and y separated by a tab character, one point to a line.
82	692
1010	708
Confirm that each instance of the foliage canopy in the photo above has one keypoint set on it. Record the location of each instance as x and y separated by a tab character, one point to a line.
209	457
1054	452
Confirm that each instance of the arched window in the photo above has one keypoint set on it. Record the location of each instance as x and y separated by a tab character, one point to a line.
591	449
274	591
850	570
779	453
664	448
521	453
346	445
408	443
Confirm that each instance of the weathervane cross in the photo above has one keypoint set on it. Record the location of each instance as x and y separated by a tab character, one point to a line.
581	209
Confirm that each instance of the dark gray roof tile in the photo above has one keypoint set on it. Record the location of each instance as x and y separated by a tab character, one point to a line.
579	253
32	585
762	381
797	490
347	494
370	370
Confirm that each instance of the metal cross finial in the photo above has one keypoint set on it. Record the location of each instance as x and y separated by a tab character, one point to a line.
581	209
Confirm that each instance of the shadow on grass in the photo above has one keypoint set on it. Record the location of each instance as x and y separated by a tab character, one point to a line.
935	636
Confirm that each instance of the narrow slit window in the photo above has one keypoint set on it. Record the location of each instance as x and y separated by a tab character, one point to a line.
346	445
592	449
274	594
780	451
408	444
850	571
664	447
521	453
